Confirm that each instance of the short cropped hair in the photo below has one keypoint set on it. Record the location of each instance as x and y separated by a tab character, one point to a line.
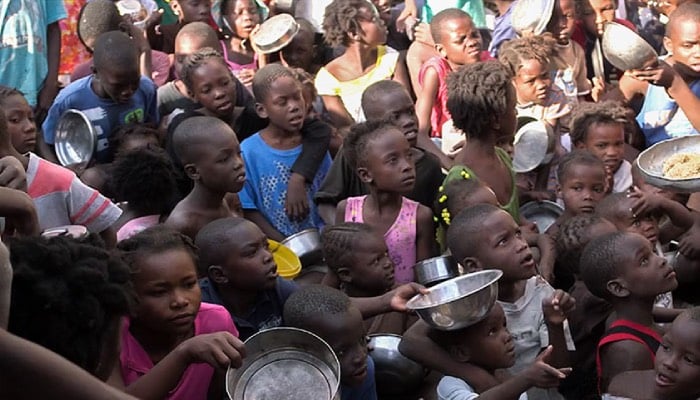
200	31
191	131
466	227
212	238
600	263
587	114
477	96
312	302
443	16
266	76
376	92
684	12
610	206
341	19
575	158
115	50
97	17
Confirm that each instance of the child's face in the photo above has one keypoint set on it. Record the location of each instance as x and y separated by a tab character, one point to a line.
505	141
490	344
684	44
596	13
532	82
300	52
192	10
213	87
582	188
372	268
390	164
284	104
20	123
678	361
502	246
644	273
563	20
243	16
184	46
117	84
607	142
384	9
399	108
249	265
219	163
646	225
168	292
461	41
373	31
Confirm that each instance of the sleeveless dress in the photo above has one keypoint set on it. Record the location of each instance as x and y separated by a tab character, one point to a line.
400	238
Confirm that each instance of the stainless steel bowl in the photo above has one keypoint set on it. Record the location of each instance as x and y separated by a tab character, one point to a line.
276	33
542	213
530	17
651	161
434	270
285	363
75	139
307	246
625	49
458	302
395	374
531	144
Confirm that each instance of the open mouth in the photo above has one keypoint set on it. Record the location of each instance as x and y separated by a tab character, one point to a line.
587	209
411	135
663	380
528	261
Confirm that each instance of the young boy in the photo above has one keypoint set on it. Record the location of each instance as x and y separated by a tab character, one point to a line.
458	43
162	37
484	236
623	269
489	345
210	153
330	314
241	274
270	154
113	95
600	129
382	100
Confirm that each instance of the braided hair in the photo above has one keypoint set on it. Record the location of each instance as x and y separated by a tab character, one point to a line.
341	19
196	60
154	240
574	234
339	243
451	193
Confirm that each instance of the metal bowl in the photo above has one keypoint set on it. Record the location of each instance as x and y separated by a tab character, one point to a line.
625	49
73	231
285	363
435	270
75	139
531	144
395	374
542	213
276	33
307	246
458	302
651	161
530	17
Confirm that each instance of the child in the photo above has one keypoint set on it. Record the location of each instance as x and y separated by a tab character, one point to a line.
20	120
330	314
381	101
170	327
383	160
270	154
600	129
239	18
60	198
489	345
302	51
675	374
144	180
484	236
458	42
623	269
528	60
113	95
211	156
241	275
69	296
355	24
162	37
481	100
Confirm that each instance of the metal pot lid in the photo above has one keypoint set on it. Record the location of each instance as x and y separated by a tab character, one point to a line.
530	17
75	138
530	146
276	33
543	213
625	49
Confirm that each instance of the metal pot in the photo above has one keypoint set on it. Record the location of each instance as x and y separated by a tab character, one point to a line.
435	270
276	33
534	140
625	49
75	139
307	246
543	213
395	374
530	17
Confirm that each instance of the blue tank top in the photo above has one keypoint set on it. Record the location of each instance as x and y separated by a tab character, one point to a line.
661	118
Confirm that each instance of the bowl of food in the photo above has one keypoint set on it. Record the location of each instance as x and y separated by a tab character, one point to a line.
285	363
543	213
307	246
275	33
672	164
435	270
288	264
625	49
458	302
395	374
75	139
530	17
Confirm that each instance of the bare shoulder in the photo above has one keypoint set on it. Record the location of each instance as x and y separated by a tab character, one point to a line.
424	215
627	355
633	384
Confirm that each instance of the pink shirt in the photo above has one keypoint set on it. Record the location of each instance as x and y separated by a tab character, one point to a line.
194	383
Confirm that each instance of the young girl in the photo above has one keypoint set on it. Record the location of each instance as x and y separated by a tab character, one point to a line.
381	156
20	119
173	342
238	19
356	25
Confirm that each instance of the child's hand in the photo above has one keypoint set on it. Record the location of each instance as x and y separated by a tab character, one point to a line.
557	307
409	10
423	34
220	350
245	76
689	245
402	294
645	202
659	75
12	174
542	375
296	204
598	89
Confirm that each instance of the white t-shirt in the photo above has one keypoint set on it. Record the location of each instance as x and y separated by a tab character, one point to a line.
451	388
622	179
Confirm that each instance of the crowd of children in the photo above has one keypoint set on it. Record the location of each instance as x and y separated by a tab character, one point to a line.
389	127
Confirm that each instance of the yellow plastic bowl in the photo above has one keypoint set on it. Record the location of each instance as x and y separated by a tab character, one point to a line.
288	264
